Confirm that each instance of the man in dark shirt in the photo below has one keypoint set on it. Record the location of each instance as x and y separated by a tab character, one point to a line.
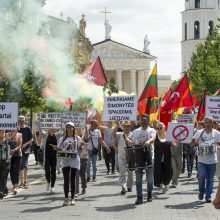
27	140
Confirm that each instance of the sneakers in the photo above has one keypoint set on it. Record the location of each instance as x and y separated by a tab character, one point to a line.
83	191
139	201
123	191
76	195
149	196
173	186
93	179
189	175
113	172
129	190
52	190
72	202
208	201
88	179
108	172
66	202
200	196
1	195
48	187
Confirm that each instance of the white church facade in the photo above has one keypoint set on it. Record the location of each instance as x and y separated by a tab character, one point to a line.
198	19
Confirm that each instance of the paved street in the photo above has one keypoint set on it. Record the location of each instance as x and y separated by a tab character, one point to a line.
103	201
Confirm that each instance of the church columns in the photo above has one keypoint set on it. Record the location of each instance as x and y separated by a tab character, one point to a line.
141	81
119	79
133	81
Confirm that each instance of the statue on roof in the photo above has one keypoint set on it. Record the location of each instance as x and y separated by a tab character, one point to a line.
82	25
108	29
146	44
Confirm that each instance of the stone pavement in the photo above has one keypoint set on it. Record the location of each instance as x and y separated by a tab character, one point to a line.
103	201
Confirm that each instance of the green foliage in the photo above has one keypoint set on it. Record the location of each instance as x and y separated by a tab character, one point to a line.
111	86
204	71
31	90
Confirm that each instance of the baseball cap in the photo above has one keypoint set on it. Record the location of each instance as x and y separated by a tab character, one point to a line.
70	123
145	116
21	118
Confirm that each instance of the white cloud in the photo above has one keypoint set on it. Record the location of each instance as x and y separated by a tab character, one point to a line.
130	21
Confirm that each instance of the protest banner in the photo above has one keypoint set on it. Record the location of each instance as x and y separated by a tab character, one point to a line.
78	118
8	115
213	107
186	118
50	120
120	108
180	132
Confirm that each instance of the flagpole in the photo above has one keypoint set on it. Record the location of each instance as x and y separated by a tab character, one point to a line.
158	104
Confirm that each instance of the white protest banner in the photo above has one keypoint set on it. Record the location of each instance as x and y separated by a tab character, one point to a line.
180	132
78	118
186	118
213	107
8	115
121	108
50	120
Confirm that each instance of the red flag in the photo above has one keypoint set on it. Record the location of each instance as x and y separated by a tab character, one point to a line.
180	96
201	112
195	100
165	116
95	73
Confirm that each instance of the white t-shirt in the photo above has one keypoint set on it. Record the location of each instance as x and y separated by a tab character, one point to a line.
207	146
95	135
70	145
121	144
140	136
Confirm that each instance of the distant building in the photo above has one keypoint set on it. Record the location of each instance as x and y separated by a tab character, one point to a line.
198	19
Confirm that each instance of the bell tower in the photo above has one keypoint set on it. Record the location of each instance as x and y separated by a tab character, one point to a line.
198	19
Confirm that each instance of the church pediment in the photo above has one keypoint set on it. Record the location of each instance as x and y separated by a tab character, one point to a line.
114	50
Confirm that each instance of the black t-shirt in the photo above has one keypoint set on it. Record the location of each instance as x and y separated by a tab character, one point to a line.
51	139
26	136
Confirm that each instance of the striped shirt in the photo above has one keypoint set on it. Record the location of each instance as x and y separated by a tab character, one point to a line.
5	150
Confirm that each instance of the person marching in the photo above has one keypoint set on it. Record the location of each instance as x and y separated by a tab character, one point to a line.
50	160
122	161
15	143
162	159
207	140
143	136
4	163
27	140
69	148
93	137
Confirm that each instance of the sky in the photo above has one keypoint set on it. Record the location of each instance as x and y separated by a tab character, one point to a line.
131	20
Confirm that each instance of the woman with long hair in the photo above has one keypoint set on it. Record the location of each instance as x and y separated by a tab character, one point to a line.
162	159
69	148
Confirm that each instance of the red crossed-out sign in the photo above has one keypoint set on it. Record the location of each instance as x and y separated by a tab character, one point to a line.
180	133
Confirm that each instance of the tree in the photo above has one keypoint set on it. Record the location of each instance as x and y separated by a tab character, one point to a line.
204	71
30	96
111	86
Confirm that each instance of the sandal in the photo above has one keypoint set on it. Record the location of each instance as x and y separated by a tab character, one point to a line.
25	185
21	186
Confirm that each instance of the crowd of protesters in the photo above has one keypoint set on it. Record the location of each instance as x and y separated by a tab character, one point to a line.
131	148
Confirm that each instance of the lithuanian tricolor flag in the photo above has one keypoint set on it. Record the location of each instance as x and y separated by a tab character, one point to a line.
148	101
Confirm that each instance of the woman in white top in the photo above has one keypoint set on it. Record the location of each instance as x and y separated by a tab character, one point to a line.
69	148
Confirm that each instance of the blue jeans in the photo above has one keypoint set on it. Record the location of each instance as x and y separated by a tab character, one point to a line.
91	157
206	174
189	159
139	177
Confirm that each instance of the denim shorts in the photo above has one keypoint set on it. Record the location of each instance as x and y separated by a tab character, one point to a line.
24	161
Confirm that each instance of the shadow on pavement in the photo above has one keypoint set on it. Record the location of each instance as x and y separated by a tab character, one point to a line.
41	209
118	208
191	205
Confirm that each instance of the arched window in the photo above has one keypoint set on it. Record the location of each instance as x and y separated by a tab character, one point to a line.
196	30
185	31
197	3
211	27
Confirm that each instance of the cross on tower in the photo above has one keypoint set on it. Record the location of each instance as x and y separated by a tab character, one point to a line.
105	12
